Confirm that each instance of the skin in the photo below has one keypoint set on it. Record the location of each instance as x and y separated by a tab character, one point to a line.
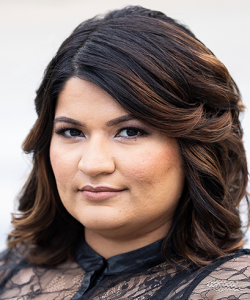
144	163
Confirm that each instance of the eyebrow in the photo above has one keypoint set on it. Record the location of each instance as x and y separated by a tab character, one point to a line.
119	120
113	122
69	121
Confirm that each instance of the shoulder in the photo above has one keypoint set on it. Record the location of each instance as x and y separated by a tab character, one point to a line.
10	257
226	278
10	261
19	279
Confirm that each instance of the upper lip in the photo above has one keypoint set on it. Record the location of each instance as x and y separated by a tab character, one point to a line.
90	188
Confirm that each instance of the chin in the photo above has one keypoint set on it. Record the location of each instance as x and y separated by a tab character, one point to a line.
101	219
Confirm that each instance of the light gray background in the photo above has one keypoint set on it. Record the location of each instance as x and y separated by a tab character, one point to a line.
31	32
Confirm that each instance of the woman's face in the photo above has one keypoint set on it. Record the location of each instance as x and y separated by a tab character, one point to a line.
115	175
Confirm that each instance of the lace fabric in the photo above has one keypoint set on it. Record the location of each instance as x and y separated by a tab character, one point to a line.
225	278
20	280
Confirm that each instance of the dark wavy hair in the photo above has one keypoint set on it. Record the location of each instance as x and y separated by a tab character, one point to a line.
159	72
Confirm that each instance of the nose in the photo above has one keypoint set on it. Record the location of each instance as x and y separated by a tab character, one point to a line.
96	158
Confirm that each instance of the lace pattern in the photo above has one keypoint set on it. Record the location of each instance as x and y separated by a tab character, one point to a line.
229	281
225	279
32	282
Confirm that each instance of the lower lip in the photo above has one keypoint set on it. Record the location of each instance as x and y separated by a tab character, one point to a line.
99	195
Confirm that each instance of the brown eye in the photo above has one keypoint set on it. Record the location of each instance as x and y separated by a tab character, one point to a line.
73	133
69	132
131	132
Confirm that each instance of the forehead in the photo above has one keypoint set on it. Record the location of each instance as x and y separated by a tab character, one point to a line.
81	97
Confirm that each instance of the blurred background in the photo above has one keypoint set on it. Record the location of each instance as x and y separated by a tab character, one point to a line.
31	32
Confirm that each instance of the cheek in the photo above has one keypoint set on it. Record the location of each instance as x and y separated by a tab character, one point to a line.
62	164
156	173
146	166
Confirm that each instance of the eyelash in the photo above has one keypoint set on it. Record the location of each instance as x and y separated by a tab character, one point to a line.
61	131
141	132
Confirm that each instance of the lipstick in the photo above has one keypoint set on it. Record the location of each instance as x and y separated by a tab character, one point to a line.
99	192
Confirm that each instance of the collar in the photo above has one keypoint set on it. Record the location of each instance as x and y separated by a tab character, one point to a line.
147	256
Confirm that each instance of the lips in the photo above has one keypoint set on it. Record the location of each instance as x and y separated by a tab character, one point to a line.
99	192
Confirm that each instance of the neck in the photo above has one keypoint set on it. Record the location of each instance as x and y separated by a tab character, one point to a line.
108	247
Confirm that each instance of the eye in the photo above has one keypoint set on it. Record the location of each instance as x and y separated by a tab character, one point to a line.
131	132
69	132
73	132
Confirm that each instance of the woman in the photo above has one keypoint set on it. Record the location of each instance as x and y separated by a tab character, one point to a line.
139	168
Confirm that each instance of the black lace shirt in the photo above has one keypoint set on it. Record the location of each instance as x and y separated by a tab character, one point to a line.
140	274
